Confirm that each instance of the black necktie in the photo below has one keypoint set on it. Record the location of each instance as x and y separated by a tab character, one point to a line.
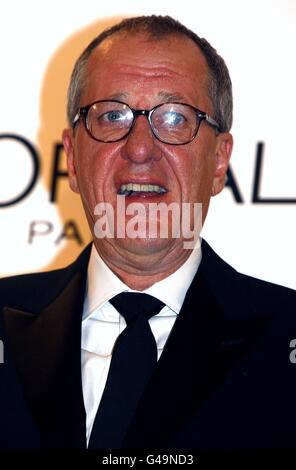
134	358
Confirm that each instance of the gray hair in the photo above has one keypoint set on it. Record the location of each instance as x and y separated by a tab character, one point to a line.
158	27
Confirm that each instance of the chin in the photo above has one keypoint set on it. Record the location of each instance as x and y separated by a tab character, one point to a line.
145	246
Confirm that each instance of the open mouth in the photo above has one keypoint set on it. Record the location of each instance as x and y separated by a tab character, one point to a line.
135	189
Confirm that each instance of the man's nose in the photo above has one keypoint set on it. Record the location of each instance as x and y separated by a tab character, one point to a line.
140	143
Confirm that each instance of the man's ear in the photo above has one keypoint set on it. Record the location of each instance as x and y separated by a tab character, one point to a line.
223	153
68	141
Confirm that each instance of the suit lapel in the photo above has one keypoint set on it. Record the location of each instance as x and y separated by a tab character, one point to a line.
47	356
183	376
208	338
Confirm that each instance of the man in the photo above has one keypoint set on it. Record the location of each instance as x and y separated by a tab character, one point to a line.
150	110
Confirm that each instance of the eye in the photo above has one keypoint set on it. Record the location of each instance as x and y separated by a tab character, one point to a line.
169	119
173	118
112	116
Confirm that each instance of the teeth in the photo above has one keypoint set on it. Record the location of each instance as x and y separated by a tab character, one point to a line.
143	188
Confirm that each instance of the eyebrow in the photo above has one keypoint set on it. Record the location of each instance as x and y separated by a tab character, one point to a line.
118	96
171	96
166	96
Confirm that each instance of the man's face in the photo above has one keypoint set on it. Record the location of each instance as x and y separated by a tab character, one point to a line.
144	74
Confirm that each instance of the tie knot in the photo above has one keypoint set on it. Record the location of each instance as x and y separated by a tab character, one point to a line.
132	305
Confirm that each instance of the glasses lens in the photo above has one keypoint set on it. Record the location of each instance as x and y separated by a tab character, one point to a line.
109	121
174	123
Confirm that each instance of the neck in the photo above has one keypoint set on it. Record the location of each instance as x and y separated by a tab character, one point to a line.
141	271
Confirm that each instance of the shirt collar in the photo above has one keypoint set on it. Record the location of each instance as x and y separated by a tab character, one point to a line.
172	289
103	284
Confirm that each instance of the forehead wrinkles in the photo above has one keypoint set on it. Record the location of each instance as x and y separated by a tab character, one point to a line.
97	68
191	70
144	75
140	55
149	72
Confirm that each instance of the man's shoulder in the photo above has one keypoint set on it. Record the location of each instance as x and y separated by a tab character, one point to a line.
229	282
270	299
267	288
35	289
21	286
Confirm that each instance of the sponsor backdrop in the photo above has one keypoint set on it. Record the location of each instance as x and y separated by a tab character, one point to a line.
251	224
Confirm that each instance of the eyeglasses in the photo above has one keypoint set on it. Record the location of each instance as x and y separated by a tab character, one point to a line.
172	123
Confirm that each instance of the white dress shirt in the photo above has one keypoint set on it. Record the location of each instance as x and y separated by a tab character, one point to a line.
102	324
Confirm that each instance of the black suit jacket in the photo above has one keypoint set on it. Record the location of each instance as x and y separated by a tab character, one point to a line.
224	379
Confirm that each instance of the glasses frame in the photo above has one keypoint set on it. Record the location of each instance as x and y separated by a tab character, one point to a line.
200	115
